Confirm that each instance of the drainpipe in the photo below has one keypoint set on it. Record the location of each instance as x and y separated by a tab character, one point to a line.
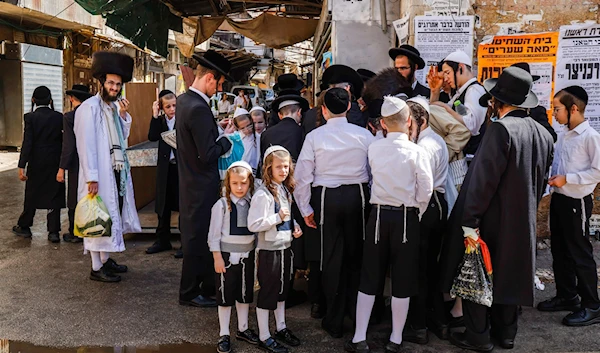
382	10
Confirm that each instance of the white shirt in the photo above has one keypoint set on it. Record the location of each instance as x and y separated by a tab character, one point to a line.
171	126
401	173
437	152
251	150
201	95
577	155
333	155
414	84
220	223
239	102
475	112
224	106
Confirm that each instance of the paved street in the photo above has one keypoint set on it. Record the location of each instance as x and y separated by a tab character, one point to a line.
46	299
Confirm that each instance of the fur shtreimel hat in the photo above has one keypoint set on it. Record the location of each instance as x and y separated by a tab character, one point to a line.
110	62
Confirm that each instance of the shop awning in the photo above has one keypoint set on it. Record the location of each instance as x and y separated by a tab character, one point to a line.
41	20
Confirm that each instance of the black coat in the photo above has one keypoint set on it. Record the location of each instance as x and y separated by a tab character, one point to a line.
421	90
40	153
309	123
500	196
286	133
69	159
157	127
197	157
354	116
540	115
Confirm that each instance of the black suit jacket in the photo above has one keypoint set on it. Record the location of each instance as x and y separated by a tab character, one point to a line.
286	133
197	161
421	90
40	153
157	127
69	159
540	115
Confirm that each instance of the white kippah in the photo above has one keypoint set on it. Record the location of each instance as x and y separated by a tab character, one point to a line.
241	164
273	149
391	105
286	103
240	111
460	57
258	107
422	101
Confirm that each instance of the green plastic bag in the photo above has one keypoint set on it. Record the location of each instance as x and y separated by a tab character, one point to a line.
92	219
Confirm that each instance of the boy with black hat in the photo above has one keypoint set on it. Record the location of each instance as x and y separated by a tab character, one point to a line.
508	173
331	190
40	154
69	160
342	76
407	60
576	172
167	178
102	128
402	187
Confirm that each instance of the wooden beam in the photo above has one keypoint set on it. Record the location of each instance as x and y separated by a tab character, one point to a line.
277	2
214	7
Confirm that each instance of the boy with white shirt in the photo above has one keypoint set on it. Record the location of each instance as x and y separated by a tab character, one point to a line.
402	187
576	172
331	191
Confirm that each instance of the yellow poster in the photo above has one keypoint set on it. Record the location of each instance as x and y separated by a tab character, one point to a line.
538	50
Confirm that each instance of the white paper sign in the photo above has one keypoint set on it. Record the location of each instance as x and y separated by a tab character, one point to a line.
401	27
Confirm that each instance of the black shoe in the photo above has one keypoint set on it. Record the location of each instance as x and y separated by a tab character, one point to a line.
439	329
316	312
224	344
178	254
113	266
199	302
456	322
418	336
270	345
159	246
506	343
583	317
70	238
333	333
359	347
54	238
560	304
392	347
248	336
104	275
24	232
295	297
287	336
458	339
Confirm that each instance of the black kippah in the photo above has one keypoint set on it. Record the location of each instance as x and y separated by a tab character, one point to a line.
578	92
41	92
337	100
163	93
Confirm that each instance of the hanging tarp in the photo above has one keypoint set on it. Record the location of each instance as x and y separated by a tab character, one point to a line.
146	23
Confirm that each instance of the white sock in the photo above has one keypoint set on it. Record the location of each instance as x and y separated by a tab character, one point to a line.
364	306
96	262
399	313
280	316
224	319
242	315
457	308
262	316
104	256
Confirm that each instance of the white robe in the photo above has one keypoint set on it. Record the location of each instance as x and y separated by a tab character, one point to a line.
95	164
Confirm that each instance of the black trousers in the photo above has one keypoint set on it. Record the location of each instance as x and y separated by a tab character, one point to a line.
480	321
343	232
73	180
572	253
431	230
52	219
163	230
315	290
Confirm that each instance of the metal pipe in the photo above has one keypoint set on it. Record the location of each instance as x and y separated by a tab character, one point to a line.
382	10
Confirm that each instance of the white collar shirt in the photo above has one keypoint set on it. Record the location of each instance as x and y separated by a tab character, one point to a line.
437	153
251	150
577	155
401	173
475	112
333	155
224	106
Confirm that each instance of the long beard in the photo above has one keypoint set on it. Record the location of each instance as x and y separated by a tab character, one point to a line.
411	76
105	94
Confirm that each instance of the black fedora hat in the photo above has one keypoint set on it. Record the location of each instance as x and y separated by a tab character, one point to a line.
410	52
303	103
81	92
512	87
288	82
525	66
342	73
215	61
365	74
110	62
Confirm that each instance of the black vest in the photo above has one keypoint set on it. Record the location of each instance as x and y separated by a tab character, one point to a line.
474	141
234	228
286	225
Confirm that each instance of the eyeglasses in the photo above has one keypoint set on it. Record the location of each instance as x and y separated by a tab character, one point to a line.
113	83
403	68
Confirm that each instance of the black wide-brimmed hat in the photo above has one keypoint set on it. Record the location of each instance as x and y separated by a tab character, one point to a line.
342	73
288	82
365	74
525	66
513	87
215	61
81	92
303	103
110	62
409	51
